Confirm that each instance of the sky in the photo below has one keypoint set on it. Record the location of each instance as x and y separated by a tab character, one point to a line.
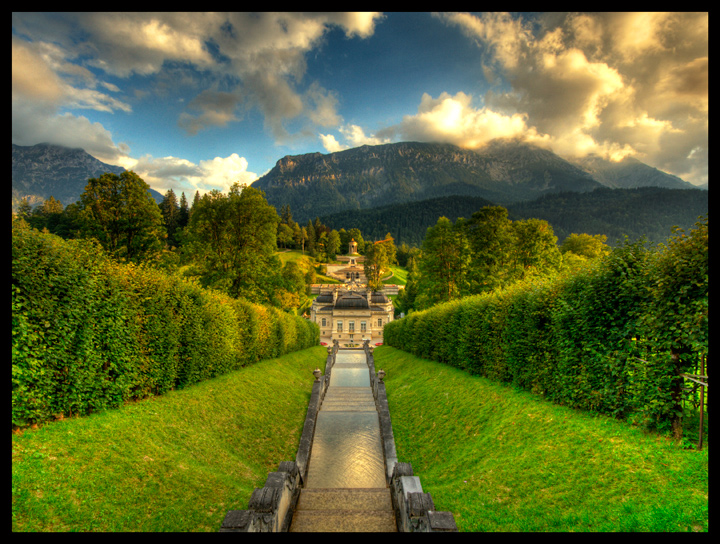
197	101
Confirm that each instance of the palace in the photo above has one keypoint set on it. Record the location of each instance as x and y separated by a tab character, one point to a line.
349	312
352	270
351	316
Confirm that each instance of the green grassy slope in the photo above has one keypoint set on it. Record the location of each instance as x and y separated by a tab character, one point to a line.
504	460
173	463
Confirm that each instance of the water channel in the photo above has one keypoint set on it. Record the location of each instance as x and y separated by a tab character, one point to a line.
347	449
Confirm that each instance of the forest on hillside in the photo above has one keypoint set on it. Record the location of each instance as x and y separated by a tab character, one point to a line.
650	212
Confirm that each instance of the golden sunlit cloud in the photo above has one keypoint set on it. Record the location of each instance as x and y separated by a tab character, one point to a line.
612	84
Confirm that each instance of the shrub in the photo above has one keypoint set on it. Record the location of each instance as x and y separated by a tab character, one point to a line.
612	338
89	333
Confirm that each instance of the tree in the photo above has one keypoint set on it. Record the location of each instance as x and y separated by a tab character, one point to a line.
311	239
376	264
444	264
121	214
24	209
284	235
489	234
321	245
232	240
333	245
585	245
406	297
286	215
48	215
170	210
301	237
390	249
536	250
184	215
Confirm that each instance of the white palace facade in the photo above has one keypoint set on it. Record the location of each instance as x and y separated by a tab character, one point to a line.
349	312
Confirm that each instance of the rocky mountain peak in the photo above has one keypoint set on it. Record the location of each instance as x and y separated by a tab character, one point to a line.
44	170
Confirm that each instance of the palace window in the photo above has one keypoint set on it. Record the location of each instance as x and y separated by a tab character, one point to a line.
380	322
339	326
351	326
363	326
324	322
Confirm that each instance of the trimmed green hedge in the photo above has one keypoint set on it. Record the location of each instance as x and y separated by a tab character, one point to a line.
90	334
613	338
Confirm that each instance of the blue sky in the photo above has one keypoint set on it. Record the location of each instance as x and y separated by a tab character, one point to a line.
195	101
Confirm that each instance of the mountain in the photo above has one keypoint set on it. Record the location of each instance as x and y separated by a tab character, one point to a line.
646	211
651	212
365	177
407	222
44	170
629	173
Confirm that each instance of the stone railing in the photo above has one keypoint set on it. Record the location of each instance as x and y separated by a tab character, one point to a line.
270	507
414	510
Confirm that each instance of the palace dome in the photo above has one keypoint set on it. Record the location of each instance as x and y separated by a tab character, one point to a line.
352	300
379	298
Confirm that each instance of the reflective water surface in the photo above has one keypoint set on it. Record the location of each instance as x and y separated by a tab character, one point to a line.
347	450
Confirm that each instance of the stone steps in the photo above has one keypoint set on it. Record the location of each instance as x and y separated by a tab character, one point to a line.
350	399
344	510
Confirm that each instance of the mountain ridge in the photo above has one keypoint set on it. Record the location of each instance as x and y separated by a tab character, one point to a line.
649	212
505	172
43	170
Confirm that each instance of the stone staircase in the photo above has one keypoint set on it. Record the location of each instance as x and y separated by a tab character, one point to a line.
344	510
349	399
346	477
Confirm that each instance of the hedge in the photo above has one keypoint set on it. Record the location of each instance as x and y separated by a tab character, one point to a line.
612	338
89	334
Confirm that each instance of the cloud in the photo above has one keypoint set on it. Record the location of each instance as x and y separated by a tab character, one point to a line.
32	78
453	119
35	79
215	109
354	135
239	60
182	175
614	84
259	59
331	144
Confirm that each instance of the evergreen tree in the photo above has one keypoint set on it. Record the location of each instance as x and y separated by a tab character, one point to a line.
184	214
286	215
170	210
196	199
311	240
333	245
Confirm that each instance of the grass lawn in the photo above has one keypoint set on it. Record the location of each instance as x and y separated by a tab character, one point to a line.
505	460
305	262
399	276
177	462
499	459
